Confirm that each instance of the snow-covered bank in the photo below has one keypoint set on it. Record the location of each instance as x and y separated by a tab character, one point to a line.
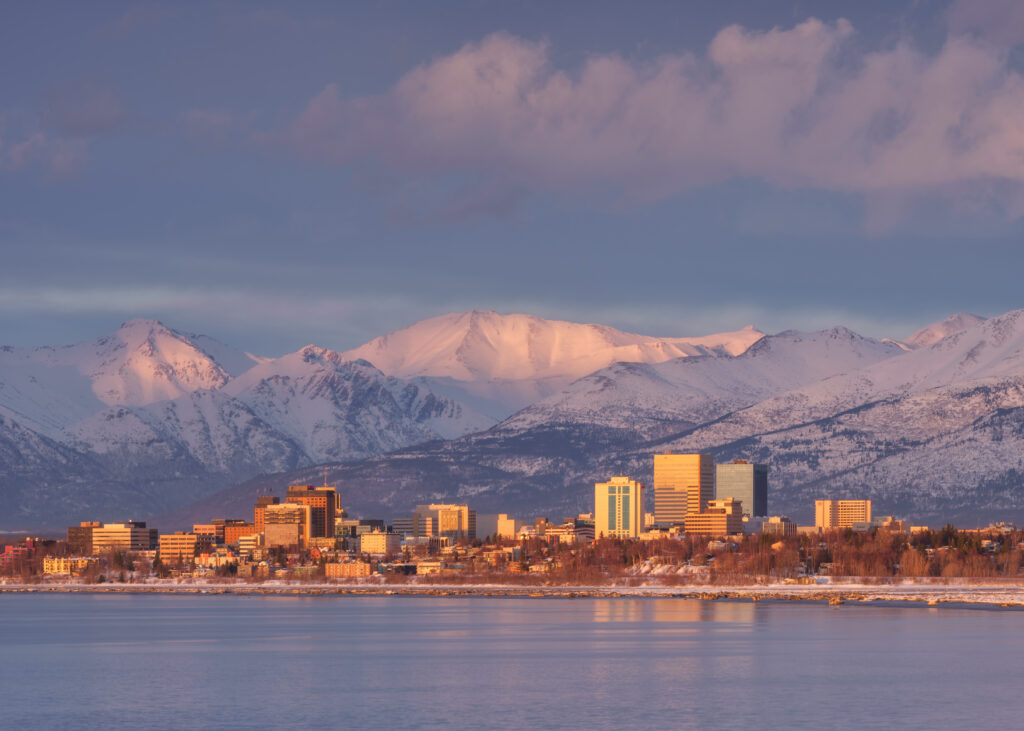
917	593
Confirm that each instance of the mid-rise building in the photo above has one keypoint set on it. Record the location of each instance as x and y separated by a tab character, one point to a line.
183	547
377	542
683	483
236	529
495	526
722	517
322	503
80	537
132	535
746	482
841	513
260	511
618	508
444	520
286	525
779	525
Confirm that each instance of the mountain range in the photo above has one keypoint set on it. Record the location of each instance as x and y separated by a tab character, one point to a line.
511	412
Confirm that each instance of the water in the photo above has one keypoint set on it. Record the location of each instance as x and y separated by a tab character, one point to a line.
218	662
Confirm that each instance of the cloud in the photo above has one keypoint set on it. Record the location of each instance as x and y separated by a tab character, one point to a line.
83	108
60	157
998	21
796	107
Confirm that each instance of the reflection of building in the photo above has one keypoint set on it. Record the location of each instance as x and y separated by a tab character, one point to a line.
841	513
132	535
683	483
287	525
720	518
322	502
779	525
745	482
618	508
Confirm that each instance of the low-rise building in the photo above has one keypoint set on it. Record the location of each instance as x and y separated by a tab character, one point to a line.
71	565
779	525
347	570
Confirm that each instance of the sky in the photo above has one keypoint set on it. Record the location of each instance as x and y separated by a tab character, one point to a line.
275	175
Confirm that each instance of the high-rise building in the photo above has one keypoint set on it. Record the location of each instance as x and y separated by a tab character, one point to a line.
618	508
683	483
745	482
719	518
80	537
841	513
259	512
287	525
322	502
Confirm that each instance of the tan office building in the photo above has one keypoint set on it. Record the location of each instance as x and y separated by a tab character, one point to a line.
378	542
721	517
683	483
841	513
495	525
129	536
286	525
618	508
445	520
184	546
323	504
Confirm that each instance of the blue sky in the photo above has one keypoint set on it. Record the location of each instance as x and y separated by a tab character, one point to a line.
280	174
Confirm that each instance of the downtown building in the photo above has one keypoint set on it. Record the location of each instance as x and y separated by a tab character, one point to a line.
746	483
719	518
322	503
683	483
841	513
618	508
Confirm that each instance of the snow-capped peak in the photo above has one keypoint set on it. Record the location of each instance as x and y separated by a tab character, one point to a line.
938	330
484	345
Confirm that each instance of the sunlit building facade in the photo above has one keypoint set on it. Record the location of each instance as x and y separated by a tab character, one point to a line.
618	508
683	483
841	513
719	518
746	482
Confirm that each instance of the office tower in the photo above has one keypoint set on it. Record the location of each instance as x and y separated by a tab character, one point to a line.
80	537
683	483
841	513
451	521
618	508
719	518
322	502
132	535
259	512
745	482
287	525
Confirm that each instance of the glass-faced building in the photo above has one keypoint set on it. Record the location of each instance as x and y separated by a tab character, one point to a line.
683	483
746	482
618	508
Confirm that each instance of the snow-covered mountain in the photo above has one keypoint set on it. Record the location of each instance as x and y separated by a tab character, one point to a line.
938	330
501	363
684	392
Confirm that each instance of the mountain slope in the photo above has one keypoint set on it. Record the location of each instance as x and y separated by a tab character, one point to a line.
937	331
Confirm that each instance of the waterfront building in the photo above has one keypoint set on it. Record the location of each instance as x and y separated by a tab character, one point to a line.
80	537
287	525
260	511
841	513
779	525
683	483
132	535
322	502
721	517
378	542
746	482
618	508
347	570
73	565
181	546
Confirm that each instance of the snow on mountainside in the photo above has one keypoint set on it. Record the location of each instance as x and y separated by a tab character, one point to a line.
501	363
689	391
937	331
142	363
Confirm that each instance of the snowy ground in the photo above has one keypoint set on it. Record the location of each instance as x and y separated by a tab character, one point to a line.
1008	594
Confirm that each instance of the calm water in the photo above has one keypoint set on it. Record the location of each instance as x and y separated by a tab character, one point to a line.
130	661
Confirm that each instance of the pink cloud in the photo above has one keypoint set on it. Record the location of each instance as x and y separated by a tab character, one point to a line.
789	106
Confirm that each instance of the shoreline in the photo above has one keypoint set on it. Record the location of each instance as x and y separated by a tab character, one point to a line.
928	595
